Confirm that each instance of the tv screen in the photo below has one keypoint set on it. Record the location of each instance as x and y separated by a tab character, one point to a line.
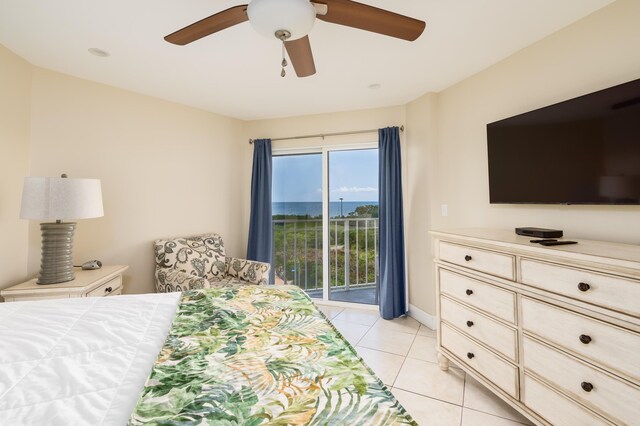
582	151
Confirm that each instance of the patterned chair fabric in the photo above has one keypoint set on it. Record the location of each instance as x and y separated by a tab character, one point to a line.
200	261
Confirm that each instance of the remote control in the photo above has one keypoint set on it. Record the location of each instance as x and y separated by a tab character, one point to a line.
546	240
557	243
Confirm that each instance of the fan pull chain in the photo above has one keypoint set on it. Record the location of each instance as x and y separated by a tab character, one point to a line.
283	35
284	61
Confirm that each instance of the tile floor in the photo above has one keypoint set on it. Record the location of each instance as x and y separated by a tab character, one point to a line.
402	352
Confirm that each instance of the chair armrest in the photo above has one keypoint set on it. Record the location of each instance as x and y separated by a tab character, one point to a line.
248	270
168	280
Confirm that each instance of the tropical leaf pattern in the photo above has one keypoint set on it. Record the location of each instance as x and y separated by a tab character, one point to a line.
260	355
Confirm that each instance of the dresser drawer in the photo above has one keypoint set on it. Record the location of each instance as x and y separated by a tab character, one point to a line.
610	395
498	264
500	372
490	332
603	290
489	298
106	289
612	346
555	407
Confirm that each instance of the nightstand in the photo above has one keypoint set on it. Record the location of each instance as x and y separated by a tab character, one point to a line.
106	281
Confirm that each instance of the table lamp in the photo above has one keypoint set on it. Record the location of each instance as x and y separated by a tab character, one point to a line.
59	199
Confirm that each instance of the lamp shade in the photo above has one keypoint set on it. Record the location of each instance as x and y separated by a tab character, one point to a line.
269	16
45	198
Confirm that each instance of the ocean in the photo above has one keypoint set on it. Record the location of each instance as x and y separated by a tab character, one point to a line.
315	208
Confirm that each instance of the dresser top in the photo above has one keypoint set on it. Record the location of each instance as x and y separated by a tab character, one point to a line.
625	255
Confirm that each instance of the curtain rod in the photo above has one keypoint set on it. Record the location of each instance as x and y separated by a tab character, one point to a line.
323	135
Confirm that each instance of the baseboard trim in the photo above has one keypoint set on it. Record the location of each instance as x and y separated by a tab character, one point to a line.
422	317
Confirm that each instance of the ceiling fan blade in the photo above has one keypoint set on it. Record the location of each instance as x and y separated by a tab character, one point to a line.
369	18
214	23
301	56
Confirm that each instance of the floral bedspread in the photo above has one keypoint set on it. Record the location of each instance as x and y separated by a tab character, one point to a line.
260	355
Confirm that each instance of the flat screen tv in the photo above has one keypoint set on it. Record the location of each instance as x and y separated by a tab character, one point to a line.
582	151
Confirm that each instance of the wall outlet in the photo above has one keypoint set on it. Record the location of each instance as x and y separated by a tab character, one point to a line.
444	210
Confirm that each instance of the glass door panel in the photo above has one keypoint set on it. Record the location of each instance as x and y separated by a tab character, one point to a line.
297	221
353	226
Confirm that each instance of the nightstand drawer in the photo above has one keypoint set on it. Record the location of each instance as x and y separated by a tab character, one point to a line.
493	263
588	384
500	372
117	292
555	407
491	299
490	332
108	288
599	289
614	347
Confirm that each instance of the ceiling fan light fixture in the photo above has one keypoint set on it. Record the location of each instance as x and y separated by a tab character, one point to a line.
269	16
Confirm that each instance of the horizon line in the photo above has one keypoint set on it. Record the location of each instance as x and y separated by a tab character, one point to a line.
331	201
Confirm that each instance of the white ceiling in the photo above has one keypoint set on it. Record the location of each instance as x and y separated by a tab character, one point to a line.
237	72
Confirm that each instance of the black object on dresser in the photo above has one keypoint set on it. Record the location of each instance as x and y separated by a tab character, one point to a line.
539	232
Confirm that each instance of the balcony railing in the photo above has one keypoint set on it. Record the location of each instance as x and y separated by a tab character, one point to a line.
353	253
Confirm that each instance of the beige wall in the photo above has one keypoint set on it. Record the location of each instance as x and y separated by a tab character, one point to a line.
166	169
594	53
597	52
422	187
15	89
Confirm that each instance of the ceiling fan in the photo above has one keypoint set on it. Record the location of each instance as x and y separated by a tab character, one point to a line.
291	20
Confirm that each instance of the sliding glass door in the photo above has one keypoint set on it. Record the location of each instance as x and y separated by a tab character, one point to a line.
325	222
297	221
353	225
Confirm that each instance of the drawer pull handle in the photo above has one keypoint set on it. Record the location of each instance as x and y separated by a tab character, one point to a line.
469	292
585	339
586	386
469	323
108	290
470	355
467	258
583	287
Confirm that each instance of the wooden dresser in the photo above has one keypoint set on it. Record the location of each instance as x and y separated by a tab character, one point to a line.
554	331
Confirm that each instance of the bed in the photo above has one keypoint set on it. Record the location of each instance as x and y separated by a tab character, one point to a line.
230	355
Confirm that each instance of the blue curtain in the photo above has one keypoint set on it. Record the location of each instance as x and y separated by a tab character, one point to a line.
260	235
392	273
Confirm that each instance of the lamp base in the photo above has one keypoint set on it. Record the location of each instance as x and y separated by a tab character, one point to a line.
56	264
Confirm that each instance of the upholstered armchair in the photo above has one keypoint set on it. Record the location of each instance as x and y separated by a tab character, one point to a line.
200	262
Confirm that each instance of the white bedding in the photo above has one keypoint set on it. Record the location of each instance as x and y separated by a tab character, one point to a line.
79	361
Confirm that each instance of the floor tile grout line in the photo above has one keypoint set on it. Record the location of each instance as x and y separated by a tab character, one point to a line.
403	361
385	352
464	392
353	323
394	331
494	415
462	408
430	397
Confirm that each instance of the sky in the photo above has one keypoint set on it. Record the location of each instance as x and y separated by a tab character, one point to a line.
353	175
